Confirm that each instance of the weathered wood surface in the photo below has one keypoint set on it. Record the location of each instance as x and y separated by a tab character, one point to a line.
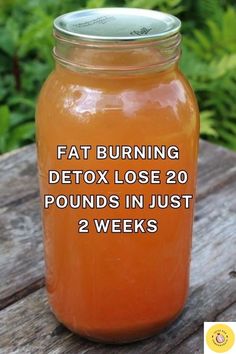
194	343
26	324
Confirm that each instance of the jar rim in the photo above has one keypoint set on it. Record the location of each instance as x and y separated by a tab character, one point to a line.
115	24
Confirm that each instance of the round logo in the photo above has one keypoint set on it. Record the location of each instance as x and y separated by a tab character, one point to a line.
220	338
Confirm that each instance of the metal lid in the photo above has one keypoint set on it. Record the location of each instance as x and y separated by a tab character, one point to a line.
116	24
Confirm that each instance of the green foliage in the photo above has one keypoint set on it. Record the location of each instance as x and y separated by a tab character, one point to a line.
208	60
4	125
173	6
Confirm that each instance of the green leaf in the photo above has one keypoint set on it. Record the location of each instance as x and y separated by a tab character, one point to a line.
4	120
9	39
171	6
4	126
95	3
17	118
207	124
19	134
16	100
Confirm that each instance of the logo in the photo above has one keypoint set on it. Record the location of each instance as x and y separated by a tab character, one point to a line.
142	31
219	338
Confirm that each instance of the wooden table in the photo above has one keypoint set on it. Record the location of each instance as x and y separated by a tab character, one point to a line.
26	323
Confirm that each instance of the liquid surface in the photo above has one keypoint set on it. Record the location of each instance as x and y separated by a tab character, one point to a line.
117	287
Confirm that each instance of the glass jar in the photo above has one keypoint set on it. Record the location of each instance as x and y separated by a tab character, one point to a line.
117	87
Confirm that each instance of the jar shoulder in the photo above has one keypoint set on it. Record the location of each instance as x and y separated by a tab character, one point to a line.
78	94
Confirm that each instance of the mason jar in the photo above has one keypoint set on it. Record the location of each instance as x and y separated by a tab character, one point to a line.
117	233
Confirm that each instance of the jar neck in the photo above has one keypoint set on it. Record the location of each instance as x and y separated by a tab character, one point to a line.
118	57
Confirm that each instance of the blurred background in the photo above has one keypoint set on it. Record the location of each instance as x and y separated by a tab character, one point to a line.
208	60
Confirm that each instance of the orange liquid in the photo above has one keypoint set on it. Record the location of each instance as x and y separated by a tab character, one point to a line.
117	287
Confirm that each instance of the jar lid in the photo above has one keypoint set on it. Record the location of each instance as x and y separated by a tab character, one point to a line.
117	24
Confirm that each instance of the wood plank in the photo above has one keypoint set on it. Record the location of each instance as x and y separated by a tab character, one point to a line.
194	344
21	261
21	266
29	326
216	167
18	176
